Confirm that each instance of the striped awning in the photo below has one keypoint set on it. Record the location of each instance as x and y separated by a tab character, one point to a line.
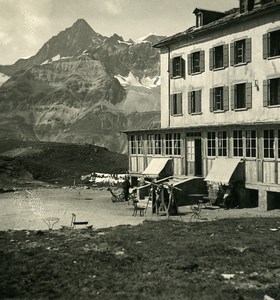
223	169
156	166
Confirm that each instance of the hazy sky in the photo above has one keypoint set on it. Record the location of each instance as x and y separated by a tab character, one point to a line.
25	25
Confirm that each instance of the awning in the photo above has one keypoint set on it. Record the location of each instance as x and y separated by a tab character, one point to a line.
223	169
156	166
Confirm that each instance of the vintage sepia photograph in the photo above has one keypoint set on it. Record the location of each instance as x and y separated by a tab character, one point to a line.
140	149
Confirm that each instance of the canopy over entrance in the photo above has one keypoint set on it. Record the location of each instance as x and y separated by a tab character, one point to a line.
158	166
225	170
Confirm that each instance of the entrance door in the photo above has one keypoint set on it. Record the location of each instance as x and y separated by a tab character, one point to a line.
193	157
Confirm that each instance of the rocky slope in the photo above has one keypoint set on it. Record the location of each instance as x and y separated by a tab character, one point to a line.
82	87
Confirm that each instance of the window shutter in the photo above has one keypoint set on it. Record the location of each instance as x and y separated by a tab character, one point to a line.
266	45
232	54
202	61
189	64
171	61
265	93
226	97
249	95
248	47
172	105
233	97
211	100
198	100
182	67
211	58
189	102
225	54
179	103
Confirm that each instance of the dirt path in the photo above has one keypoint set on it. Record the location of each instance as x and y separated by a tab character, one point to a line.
94	206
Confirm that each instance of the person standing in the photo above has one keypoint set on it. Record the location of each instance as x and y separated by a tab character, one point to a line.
126	185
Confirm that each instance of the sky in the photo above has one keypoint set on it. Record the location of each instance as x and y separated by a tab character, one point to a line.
25	25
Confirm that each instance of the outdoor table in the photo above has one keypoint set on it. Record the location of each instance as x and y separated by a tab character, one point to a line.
50	221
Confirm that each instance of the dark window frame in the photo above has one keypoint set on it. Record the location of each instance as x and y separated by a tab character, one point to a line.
271	44
176	105
211	143
237	143
268	143
195	102
251	143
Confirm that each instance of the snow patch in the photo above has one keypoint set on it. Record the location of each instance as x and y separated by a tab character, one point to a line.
131	80
142	39
123	42
3	78
55	58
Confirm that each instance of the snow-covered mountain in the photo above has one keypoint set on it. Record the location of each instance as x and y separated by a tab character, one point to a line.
82	87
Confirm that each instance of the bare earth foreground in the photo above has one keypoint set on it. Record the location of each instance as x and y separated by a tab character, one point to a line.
235	258
94	206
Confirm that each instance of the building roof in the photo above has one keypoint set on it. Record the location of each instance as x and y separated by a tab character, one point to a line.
233	16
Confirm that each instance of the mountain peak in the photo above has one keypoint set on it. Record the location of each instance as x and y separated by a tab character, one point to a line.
81	23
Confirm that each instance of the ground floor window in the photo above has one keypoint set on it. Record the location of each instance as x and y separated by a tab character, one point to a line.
251	143
150	144
158	144
211	143
173	144
237	143
222	143
168	144
177	144
268	143
139	144
132	144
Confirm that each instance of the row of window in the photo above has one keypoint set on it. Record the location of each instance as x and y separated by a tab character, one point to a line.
241	98
170	142
238	52
245	143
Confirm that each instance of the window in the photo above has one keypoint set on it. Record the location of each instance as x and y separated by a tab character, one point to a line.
219	98
240	52
139	144
271	44
241	96
268	143
222	143
237	143
173	144
251	143
158	144
218	57
176	104
211	143
196	62
199	20
132	144
150	144
177	67
246	5
168	143
271	92
177	144
194	102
